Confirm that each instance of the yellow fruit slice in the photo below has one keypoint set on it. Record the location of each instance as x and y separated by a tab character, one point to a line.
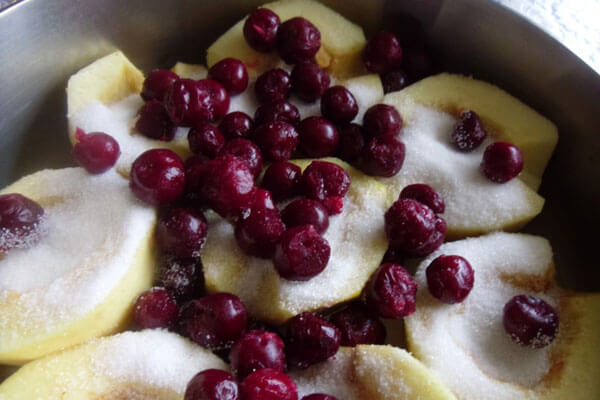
190	71
151	364
371	372
104	96
80	279
474	204
478	359
357	243
505	117
342	41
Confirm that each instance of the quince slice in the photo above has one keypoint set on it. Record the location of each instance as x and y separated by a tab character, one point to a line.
145	365
104	96
474	204
342	41
372	372
505	117
357	241
466	345
94	257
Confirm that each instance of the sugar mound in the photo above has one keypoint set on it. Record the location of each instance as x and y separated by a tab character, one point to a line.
466	343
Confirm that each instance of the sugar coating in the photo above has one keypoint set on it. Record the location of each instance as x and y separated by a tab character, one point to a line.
334	377
466	343
473	203
94	227
355	237
118	120
154	357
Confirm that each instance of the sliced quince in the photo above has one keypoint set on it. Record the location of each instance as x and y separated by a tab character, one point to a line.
505	117
474	204
190	71
104	96
342	41
94	257
146	365
357	243
466	345
372	372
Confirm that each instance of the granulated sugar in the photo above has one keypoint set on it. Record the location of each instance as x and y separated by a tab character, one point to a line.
466	343
473	203
94	227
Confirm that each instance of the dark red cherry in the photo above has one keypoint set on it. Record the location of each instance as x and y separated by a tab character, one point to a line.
157	177
318	137
268	384
257	350
273	85
190	102
339	105
97	152
382	156
333	204
382	120
20	219
305	211
309	81
231	73
182	232
358	325
450	278
155	308
260	29
352	141
236	125
279	110
298	40
310	339
212	384
530	321
301	253
157	83
206	139
468	133
319	396
394	80
224	184
213	321
391	292
501	162
183	278
322	179
246	151
383	53
413	228
283	180
424	194
154	122
258	230
277	140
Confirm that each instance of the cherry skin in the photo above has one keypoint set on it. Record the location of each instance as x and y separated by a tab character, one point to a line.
280	110
309	81
383	53
305	211
157	177
530	321
268	384
155	308
257	350
157	83
450	278
97	152
231	73
310	339
213	321
273	85
382	156
182	232
358	325
318	137
236	125
212	384
352	142
339	105
469	132
154	122
391	292
283	180
260	29
322	179
277	140
382	120
183	278
247	151
206	139
20	219
424	194
501	162
301	253
298	40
